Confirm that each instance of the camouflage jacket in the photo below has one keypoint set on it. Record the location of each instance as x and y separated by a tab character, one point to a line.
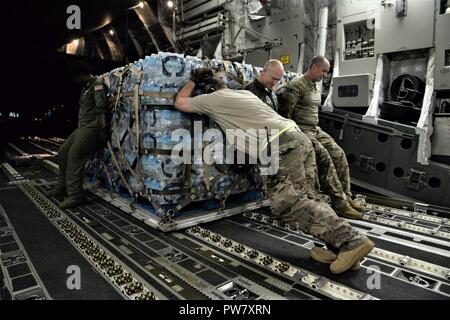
299	99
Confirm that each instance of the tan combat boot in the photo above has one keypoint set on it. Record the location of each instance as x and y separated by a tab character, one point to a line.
347	259
355	205
325	256
349	213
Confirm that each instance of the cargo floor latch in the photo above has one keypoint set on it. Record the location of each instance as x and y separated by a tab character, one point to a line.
366	164
415	179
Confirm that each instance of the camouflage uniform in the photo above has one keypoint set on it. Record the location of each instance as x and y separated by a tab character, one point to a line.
299	100
292	189
308	159
84	141
291	203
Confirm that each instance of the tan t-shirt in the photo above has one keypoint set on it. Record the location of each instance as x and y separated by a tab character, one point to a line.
232	109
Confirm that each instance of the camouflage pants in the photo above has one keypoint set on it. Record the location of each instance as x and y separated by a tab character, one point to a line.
73	156
333	170
291	203
304	177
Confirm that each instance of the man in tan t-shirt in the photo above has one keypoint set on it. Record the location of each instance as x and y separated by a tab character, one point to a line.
289	192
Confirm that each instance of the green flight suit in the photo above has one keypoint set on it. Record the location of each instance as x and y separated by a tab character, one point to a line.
264	94
84	141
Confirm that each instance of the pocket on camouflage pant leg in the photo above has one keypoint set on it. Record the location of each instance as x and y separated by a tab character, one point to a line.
283	197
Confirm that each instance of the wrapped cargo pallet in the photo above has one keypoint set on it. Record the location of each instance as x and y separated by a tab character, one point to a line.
138	163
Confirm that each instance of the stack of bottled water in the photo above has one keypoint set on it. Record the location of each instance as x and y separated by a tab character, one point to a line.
142	131
163	76
248	73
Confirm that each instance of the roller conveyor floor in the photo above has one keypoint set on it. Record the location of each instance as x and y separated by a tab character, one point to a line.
245	257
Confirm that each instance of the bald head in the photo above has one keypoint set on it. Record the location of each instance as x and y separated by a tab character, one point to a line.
274	65
272	73
318	68
319	61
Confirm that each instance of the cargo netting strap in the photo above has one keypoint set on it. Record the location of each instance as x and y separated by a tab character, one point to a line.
264	181
159	107
244	74
161	95
265	178
129	131
240	72
172	192
167	218
122	154
223	199
209	63
192	195
116	164
222	174
156	152
186	190
119	147
229	75
228	65
206	171
186	172
154	204
207	177
136	103
119	90
120	75
108	176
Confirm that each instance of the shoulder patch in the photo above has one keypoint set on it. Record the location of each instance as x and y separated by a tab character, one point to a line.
98	87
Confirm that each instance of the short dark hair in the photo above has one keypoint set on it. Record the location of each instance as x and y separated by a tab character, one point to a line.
76	68
215	84
318	61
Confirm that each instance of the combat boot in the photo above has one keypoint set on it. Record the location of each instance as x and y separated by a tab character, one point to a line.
347	259
73	201
349	213
325	256
58	192
355	205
